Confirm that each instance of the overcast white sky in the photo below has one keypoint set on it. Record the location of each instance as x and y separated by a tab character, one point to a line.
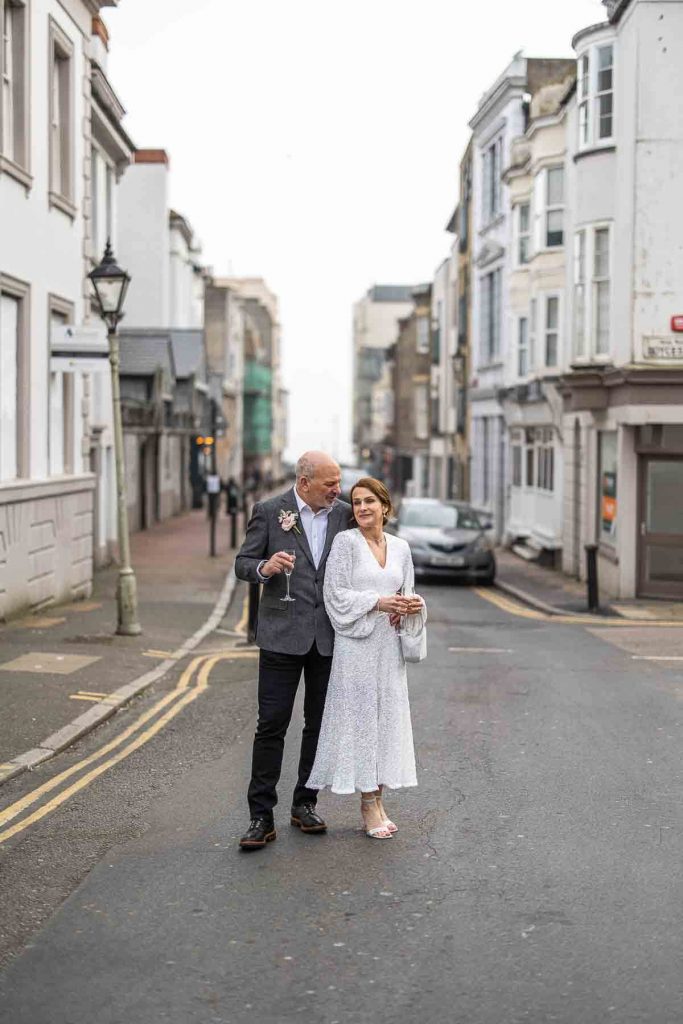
316	144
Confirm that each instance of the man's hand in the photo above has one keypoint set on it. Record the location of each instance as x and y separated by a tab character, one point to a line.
277	563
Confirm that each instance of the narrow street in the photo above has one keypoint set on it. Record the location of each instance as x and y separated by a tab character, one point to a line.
536	876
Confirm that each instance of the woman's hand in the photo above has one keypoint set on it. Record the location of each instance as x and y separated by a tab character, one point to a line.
415	604
393	605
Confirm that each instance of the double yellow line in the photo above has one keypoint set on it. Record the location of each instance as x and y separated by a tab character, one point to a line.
183	694
512	607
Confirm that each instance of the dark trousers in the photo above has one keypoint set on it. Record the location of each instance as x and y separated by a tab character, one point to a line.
278	681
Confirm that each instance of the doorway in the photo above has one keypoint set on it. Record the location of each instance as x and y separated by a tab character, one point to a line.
660	554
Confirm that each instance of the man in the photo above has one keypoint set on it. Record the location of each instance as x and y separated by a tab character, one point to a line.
292	636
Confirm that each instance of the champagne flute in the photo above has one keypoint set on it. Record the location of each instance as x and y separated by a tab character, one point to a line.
405	591
288	572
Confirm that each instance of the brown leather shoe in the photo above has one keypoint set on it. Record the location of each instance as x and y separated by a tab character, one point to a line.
260	832
305	817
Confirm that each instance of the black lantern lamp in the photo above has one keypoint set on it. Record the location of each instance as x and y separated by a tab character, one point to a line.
111	284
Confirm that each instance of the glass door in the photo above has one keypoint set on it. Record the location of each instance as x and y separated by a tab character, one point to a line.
661	527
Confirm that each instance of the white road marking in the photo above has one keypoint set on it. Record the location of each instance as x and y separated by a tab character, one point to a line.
481	650
657	657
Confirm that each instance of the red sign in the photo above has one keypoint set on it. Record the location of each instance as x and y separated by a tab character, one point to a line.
677	323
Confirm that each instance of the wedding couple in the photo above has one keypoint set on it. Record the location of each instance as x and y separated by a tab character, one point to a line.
348	582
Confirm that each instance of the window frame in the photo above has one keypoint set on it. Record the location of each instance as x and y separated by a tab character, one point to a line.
586	332
423	340
556	330
16	163
491	284
421	406
597	281
516	464
522	254
579	265
590	96
550	208
522	347
492	182
21	292
56	305
61	194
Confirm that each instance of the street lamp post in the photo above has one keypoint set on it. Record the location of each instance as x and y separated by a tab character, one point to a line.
110	284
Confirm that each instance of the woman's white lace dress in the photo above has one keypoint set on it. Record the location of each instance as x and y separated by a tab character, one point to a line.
366	737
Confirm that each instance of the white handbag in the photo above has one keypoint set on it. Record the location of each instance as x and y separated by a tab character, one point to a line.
414	648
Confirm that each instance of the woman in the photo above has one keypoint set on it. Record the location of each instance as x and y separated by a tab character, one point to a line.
366	739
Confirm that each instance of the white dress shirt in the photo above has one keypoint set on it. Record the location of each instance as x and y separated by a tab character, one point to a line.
314	525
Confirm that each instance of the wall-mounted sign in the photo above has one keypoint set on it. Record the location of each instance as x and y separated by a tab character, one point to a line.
73	339
664	347
677	322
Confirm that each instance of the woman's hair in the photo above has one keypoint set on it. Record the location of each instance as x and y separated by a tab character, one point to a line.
380	492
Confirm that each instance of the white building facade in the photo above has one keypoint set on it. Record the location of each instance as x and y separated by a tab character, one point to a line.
623	389
502	117
536	311
443	475
375	328
498	120
62	150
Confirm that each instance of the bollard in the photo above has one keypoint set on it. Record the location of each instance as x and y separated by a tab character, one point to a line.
592	576
233	529
254	594
213	507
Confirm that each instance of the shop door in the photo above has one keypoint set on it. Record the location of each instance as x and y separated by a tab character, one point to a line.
661	527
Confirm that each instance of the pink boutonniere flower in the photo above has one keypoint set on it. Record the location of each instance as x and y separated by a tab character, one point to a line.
287	521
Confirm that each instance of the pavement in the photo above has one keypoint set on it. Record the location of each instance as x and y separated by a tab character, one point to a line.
534	878
551	591
64	670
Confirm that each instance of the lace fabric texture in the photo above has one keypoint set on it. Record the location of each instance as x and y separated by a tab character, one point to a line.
366	738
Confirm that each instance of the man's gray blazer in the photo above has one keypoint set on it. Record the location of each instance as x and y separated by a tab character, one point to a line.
283	627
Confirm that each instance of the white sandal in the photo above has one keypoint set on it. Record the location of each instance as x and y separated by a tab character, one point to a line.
379	831
388	823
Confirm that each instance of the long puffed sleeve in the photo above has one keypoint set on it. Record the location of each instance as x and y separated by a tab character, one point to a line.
351	611
412	624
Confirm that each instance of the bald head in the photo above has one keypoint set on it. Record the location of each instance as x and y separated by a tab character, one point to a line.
317	479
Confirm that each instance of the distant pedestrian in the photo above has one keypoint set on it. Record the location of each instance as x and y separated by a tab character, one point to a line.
366	739
232	496
293	531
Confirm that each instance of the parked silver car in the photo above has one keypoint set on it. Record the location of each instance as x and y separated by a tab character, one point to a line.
446	538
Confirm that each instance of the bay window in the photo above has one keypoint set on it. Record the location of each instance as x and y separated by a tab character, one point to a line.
601	290
579	322
596	96
592	298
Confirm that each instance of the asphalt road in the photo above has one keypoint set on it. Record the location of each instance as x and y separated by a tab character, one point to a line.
537	875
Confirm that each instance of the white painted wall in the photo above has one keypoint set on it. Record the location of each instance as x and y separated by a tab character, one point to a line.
144	244
635	186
